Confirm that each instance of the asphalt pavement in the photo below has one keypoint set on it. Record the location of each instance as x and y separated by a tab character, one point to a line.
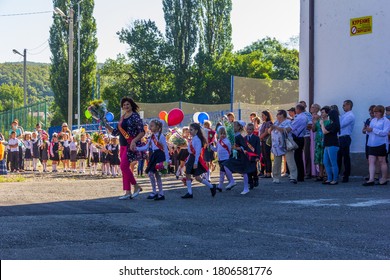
67	217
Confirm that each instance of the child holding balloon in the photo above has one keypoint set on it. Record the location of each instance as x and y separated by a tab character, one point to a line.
195	165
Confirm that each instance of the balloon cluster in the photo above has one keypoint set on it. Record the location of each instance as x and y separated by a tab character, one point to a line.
174	117
200	117
109	116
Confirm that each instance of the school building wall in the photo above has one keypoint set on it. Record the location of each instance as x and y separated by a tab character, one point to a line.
347	67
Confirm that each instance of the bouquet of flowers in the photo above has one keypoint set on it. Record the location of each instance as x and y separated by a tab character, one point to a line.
229	131
98	109
162	167
77	133
177	139
98	139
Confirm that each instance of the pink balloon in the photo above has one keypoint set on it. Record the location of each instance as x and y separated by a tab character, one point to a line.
175	116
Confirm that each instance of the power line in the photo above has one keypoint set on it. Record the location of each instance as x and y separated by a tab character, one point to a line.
39	51
25	14
39	45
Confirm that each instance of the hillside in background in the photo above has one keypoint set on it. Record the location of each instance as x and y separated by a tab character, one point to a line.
38	82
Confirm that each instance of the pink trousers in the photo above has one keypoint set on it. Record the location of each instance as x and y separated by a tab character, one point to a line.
127	174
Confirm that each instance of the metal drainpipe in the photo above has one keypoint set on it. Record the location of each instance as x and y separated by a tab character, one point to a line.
311	52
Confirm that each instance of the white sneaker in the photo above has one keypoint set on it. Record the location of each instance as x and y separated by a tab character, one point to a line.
276	181
124	197
137	190
230	186
244	192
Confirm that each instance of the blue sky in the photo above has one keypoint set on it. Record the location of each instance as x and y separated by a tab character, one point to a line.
251	20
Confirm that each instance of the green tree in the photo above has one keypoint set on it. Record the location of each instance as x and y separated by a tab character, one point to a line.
216	29
214	41
11	96
38	81
58	42
285	61
182	19
148	57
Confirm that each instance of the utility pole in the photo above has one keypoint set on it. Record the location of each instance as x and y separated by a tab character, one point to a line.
24	55
70	78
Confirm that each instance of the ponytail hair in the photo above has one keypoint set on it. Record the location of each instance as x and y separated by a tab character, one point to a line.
197	127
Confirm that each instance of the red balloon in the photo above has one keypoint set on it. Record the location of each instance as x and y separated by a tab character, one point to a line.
162	115
175	116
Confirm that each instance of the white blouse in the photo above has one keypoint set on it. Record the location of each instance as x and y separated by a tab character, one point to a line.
380	132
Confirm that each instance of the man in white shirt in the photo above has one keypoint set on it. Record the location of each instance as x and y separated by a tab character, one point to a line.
347	122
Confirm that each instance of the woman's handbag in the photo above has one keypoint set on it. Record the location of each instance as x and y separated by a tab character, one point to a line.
290	143
268	142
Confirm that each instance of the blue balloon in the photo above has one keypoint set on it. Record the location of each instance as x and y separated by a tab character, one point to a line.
109	116
203	117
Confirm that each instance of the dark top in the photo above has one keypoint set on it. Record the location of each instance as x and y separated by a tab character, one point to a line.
331	139
133	125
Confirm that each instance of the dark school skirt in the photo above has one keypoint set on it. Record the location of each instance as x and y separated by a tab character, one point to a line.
241	164
27	154
209	155
183	155
190	167
55	157
221	166
95	157
114	159
155	157
73	156
66	153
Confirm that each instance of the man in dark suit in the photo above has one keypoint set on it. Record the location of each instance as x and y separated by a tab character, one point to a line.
253	142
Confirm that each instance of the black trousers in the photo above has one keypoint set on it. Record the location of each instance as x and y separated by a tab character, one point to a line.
298	157
14	158
343	155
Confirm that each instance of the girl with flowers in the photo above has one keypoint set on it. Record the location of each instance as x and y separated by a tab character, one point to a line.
130	130
158	154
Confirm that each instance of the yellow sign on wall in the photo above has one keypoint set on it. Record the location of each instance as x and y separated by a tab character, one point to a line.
360	26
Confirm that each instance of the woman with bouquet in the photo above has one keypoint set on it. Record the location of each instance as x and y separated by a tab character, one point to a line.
130	130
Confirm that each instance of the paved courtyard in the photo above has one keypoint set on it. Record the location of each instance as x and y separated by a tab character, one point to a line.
81	218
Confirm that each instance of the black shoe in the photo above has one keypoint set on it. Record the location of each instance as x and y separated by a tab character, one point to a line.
187	195
251	186
367	184
177	177
160	197
345	180
219	189
326	182
213	190
319	179
382	184
256	184
308	177
293	181
152	196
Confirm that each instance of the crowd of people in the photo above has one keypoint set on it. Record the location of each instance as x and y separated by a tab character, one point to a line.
299	144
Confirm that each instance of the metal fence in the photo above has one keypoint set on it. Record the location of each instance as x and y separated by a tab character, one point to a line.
247	95
27	116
